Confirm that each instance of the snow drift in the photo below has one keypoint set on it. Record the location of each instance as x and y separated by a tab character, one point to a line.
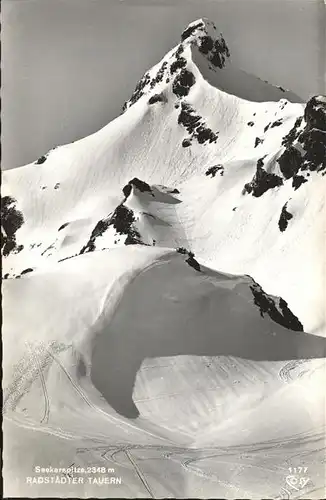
138	332
164	279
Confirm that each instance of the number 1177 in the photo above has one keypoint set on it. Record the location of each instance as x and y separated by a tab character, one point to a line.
298	470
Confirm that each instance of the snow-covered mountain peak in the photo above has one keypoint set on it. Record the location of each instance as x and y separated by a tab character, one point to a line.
204	35
201	55
177	71
193	163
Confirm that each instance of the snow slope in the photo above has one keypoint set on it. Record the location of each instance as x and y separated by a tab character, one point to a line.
194	352
219	386
175	141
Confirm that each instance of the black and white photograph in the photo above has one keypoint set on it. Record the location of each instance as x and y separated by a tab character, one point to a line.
163	248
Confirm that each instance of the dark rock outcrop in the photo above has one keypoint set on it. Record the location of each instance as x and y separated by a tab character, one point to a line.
122	221
206	44
281	314
258	141
159	75
28	270
138	92
140	185
156	98
305	148
290	162
212	171
186	143
289	138
195	125
277	123
262	181
11	220
41	160
315	113
179	63
183	83
297	181
314	143
63	226
284	219
191	261
190	30
216	51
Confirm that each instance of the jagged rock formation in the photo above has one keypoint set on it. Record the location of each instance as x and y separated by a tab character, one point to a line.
278	312
11	220
262	181
122	222
305	144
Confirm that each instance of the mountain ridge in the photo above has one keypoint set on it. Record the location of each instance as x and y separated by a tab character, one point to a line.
238	152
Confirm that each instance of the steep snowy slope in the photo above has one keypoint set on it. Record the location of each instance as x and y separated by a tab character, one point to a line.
197	353
239	172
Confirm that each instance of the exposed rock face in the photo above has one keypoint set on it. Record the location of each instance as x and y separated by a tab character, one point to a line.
156	98
28	270
191	261
284	219
306	147
186	143
179	63
159	76
280	313
137	183
214	48
212	171
277	123
197	34
315	112
314	142
183	83
290	162
297	181
217	51
195	125
122	221
138	92
305	150
262	181
41	160
63	226
258	141
11	220
294	133
192	28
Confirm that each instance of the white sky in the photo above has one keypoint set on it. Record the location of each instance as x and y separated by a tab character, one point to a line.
69	65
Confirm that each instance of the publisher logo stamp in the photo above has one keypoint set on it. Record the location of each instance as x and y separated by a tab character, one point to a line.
297	478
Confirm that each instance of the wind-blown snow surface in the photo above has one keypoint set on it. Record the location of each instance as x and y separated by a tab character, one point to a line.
176	368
